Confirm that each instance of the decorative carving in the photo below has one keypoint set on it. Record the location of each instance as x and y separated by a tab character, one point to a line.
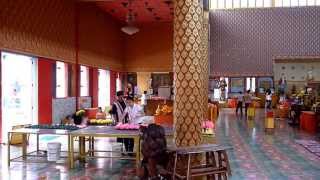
188	72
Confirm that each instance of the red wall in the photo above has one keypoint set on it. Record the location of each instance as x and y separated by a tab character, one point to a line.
45	90
94	86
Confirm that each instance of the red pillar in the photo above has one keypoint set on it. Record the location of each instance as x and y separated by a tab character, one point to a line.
46	87
94	87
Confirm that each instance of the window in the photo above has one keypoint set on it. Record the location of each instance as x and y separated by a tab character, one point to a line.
84	81
104	88
311	2
244	3
61	80
251	84
227	4
118	83
236	3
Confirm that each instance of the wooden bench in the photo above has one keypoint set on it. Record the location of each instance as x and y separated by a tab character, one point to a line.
214	164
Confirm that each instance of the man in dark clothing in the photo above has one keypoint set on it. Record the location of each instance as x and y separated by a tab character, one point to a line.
118	108
116	112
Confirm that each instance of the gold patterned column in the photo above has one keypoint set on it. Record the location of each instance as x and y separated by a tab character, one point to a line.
205	61
188	72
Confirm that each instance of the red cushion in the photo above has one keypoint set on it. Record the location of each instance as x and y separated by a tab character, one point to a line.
91	113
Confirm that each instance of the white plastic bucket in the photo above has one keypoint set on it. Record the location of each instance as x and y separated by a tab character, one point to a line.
53	149
116	149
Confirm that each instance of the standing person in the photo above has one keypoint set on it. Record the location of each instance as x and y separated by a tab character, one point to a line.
239	102
133	112
144	100
268	99
118	108
247	101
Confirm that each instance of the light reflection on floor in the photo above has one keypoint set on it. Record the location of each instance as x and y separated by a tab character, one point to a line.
255	155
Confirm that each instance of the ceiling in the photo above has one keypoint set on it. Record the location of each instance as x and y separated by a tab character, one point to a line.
144	11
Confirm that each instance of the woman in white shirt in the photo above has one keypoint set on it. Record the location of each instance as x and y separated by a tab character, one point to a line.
268	99
134	111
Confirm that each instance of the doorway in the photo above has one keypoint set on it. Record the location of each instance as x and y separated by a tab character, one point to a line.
19	91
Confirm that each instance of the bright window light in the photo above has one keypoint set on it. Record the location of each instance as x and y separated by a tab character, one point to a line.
286	3
244	3
221	4
61	80
302	2
278	3
229	4
311	2
253	84
104	88
267	3
252	3
294	3
236	3
318	2
118	83
84	81
259	3
248	83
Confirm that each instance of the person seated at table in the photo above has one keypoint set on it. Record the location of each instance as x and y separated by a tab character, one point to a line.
154	151
100	114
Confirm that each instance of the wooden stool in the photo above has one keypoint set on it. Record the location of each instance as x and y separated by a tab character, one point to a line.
216	163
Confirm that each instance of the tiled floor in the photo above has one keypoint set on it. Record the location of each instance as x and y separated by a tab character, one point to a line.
255	155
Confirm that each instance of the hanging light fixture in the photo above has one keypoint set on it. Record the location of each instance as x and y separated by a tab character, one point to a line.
130	29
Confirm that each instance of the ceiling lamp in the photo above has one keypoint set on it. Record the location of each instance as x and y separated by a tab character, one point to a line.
130	29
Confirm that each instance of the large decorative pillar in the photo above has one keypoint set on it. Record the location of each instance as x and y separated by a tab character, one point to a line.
189	72
205	60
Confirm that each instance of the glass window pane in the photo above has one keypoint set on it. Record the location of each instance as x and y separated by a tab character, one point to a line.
236	3
302	2
244	3
221	4
294	3
267	3
213	4
285	3
61	80
278	3
253	84
84	81
228	4
104	88
311	2
248	83
259	3
318	2
252	3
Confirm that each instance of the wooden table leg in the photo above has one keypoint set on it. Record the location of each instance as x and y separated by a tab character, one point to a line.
188	167
38	143
92	146
24	146
9	144
70	151
137	147
226	159
175	166
82	148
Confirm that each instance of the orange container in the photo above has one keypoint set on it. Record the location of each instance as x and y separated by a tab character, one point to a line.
165	120
308	121
232	103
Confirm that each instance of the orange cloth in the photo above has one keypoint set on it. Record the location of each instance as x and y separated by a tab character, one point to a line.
164	119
